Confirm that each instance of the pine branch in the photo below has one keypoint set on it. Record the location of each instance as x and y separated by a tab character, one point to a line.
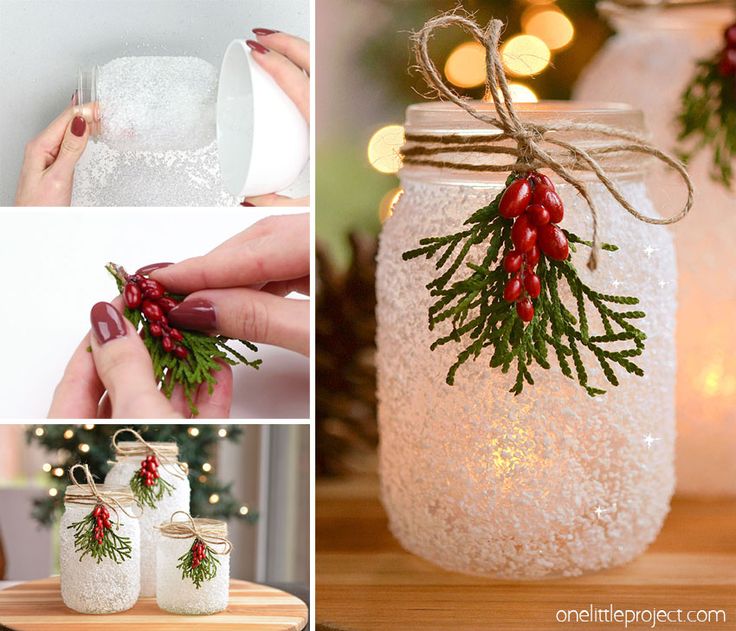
149	495
111	546
198	572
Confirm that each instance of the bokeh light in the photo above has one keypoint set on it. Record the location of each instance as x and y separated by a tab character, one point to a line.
383	148
466	65
525	55
521	93
388	201
550	25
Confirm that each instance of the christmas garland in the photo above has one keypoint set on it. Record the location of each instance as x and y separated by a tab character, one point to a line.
179	357
708	110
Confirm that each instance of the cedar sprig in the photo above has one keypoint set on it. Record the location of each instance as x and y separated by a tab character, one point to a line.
204	571
204	351
112	546
149	495
480	318
707	118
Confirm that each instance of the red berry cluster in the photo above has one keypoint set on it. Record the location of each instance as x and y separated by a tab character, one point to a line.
148	295
199	551
149	470
102	522
536	208
727	65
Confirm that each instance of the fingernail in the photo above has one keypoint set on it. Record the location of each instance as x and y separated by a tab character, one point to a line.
196	314
152	267
259	48
107	323
264	31
246	203
79	125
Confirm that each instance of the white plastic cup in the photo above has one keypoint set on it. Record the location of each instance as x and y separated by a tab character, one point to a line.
262	138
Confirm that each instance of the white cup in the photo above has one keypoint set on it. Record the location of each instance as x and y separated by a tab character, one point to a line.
262	138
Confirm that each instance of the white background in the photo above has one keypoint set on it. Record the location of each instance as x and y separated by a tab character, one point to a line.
43	43
52	272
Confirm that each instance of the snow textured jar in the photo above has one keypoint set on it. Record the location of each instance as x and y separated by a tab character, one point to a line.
181	594
551	482
176	499
108	586
659	47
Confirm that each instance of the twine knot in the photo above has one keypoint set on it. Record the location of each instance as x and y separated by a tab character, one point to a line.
166	453
115	498
212	531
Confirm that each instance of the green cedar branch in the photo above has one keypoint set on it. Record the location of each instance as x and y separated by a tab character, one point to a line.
113	546
149	495
205	571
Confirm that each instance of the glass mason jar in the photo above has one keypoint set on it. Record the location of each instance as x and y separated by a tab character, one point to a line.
658	47
122	472
179	594
105	587
551	482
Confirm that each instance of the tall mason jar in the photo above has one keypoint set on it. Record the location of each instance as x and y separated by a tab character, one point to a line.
658	47
550	482
176	499
108	586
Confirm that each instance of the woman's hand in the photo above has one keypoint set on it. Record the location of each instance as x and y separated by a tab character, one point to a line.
116	379
286	59
239	288
47	174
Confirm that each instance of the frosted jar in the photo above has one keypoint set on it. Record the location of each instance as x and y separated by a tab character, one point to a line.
659	48
551	482
120	474
98	588
180	595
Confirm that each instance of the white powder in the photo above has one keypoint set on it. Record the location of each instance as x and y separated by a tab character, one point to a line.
179	595
120	474
105	587
157	103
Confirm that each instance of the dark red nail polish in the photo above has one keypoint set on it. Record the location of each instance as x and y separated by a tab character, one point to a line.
152	267
245	203
259	48
79	125
264	31
195	314
107	323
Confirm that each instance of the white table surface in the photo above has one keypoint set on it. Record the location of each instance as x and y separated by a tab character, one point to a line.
43	43
52	264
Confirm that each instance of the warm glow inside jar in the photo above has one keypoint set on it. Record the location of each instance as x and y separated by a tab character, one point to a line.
659	47
122	473
108	586
550	482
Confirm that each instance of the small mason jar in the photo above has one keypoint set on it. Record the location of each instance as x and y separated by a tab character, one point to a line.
122	472
179	594
551	482
108	586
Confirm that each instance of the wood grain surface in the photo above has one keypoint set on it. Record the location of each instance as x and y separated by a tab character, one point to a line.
37	606
366	581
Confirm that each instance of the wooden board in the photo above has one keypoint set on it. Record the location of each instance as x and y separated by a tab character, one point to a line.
366	581
37	606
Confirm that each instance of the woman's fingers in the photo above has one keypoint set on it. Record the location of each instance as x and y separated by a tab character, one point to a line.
285	287
124	366
217	404
80	389
246	314
272	199
72	147
293	48
43	149
290	78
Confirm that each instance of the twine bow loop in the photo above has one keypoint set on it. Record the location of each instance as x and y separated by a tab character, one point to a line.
177	469
90	493
211	531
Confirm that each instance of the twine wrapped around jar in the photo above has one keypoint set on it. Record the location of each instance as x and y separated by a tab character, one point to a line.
212	531
166	453
115	498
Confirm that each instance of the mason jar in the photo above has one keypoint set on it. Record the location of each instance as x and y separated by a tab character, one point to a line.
108	586
175	499
179	594
552	482
659	47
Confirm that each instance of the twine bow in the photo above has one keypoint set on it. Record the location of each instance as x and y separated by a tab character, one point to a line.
178	469
91	494
211	531
530	137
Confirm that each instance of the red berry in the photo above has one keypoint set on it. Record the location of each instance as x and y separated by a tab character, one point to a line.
515	198
541	179
156	474
176	334
532	285
97	510
727	65
155	329
512	261
181	352
151	288
730	36
525	309
132	295
532	256
167	343
523	234
167	304
154	460
107	523
545	196
553	242
152	311
538	215
512	291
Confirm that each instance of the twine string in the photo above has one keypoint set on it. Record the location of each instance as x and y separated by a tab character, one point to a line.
90	493
208	530
529	152
178	469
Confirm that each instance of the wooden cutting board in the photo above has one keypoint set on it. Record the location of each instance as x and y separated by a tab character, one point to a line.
37	606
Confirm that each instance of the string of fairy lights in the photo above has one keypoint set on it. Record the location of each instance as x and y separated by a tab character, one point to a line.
545	31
